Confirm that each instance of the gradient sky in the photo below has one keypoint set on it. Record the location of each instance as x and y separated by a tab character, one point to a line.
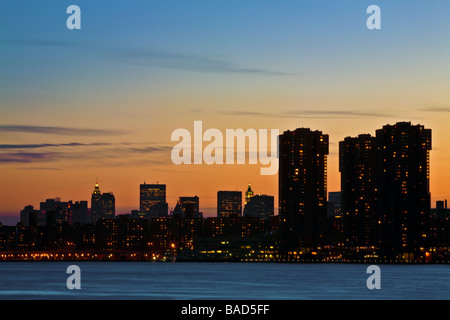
103	101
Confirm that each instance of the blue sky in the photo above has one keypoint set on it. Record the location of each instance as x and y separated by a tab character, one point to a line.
300	37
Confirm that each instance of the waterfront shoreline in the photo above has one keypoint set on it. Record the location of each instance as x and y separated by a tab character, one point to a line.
151	257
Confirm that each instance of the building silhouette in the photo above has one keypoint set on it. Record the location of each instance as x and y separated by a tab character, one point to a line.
95	203
107	205
385	189
334	203
302	188
229	204
54	211
359	191
107	232
189	207
231	225
248	194
80	212
440	224
403	183
260	206
103	205
381	214
152	201
29	216
121	233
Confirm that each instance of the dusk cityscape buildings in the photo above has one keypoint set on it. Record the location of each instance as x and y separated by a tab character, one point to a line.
153	200
260	206
385	188
403	185
95	203
188	207
103	205
302	189
358	190
248	194
229	204
382	212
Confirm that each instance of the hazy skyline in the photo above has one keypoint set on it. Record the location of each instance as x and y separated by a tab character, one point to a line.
103	101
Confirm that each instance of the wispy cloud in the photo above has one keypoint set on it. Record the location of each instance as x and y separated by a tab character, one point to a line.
24	157
435	109
46	145
150	149
59	130
308	114
42	168
336	113
105	153
189	62
154	57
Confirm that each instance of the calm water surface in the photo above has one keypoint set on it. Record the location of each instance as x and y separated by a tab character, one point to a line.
235	281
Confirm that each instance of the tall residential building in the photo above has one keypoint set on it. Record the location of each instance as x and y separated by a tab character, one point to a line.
229	204
403	182
358	190
302	188
152	200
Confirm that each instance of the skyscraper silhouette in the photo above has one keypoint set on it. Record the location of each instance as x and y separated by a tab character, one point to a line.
302	187
358	190
95	203
103	205
403	182
248	194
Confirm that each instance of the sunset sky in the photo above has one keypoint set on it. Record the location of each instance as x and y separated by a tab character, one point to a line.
103	101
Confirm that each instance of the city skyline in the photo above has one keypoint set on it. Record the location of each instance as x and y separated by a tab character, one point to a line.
158	190
382	213
104	100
